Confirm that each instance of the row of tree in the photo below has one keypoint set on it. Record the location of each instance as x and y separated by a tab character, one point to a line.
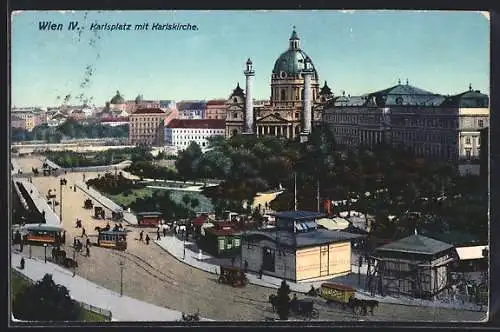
68	130
68	159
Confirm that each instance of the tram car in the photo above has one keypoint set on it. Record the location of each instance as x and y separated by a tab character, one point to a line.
41	234
336	293
149	219
112	239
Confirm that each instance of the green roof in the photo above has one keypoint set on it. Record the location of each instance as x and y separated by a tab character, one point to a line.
417	244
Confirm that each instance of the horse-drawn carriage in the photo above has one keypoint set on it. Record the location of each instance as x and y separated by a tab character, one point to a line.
304	307
232	275
87	204
99	212
59	257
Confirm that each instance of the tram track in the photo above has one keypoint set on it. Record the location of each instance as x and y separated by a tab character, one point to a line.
148	268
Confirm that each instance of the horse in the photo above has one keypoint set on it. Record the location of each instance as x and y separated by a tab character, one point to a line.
273	300
370	304
355	303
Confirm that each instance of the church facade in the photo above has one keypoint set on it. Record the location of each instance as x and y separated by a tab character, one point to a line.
296	101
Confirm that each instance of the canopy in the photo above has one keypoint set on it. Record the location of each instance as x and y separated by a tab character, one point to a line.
333	224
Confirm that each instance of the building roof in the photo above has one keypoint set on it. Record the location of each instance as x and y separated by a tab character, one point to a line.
404	94
325	90
292	60
197	123
222	232
117	99
238	92
155	213
118	119
190	105
417	244
468	99
297	215
301	240
216	102
43	227
148	111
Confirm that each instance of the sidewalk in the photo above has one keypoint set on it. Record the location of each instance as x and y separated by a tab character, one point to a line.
205	262
123	308
51	218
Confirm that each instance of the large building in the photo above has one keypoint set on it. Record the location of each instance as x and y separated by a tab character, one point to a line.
146	126
295	104
432	125
297	249
179	133
191	109
216	109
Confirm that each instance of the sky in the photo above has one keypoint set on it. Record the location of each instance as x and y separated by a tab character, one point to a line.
354	51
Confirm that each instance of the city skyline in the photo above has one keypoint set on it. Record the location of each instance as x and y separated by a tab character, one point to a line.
356	52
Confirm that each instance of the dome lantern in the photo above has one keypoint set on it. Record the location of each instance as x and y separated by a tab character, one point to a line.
294	40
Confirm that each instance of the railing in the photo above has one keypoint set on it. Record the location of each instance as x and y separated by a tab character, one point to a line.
106	313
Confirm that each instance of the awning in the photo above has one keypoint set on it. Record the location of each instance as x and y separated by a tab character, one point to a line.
333	224
468	253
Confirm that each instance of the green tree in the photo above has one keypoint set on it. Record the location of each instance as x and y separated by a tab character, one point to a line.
195	202
45	301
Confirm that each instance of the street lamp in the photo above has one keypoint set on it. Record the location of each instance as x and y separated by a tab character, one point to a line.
184	246
121	278
61	181
74	261
45	251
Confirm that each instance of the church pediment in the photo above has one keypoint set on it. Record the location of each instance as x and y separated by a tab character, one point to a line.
271	118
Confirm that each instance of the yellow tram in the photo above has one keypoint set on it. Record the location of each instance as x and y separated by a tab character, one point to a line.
112	239
336	292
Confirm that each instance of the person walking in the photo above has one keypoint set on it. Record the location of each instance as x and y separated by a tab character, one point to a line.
158	238
164	231
88	250
83	232
147	239
88	242
140	235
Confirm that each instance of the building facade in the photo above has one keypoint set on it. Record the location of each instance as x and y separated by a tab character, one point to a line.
432	125
297	250
216	109
146	127
179	133
294	103
194	109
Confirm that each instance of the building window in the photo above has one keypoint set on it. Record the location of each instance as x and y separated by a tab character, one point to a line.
467	140
468	154
480	123
235	115
283	94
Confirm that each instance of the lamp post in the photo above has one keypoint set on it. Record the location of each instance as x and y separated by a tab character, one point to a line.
45	251
74	261
61	199
184	246
121	278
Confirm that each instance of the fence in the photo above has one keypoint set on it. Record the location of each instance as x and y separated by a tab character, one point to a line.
106	313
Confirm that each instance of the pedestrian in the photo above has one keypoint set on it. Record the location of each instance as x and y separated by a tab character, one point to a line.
22	263
158	238
147	239
140	235
246	266
260	273
88	242
83	232
164	231
88	251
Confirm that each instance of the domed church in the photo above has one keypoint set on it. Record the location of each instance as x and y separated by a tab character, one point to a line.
296	98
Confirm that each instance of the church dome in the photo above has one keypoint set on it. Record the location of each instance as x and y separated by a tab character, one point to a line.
291	62
117	99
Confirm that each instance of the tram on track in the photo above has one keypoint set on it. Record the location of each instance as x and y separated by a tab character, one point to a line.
149	219
40	234
112	239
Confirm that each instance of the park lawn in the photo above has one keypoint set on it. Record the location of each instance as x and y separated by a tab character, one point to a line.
18	284
129	199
